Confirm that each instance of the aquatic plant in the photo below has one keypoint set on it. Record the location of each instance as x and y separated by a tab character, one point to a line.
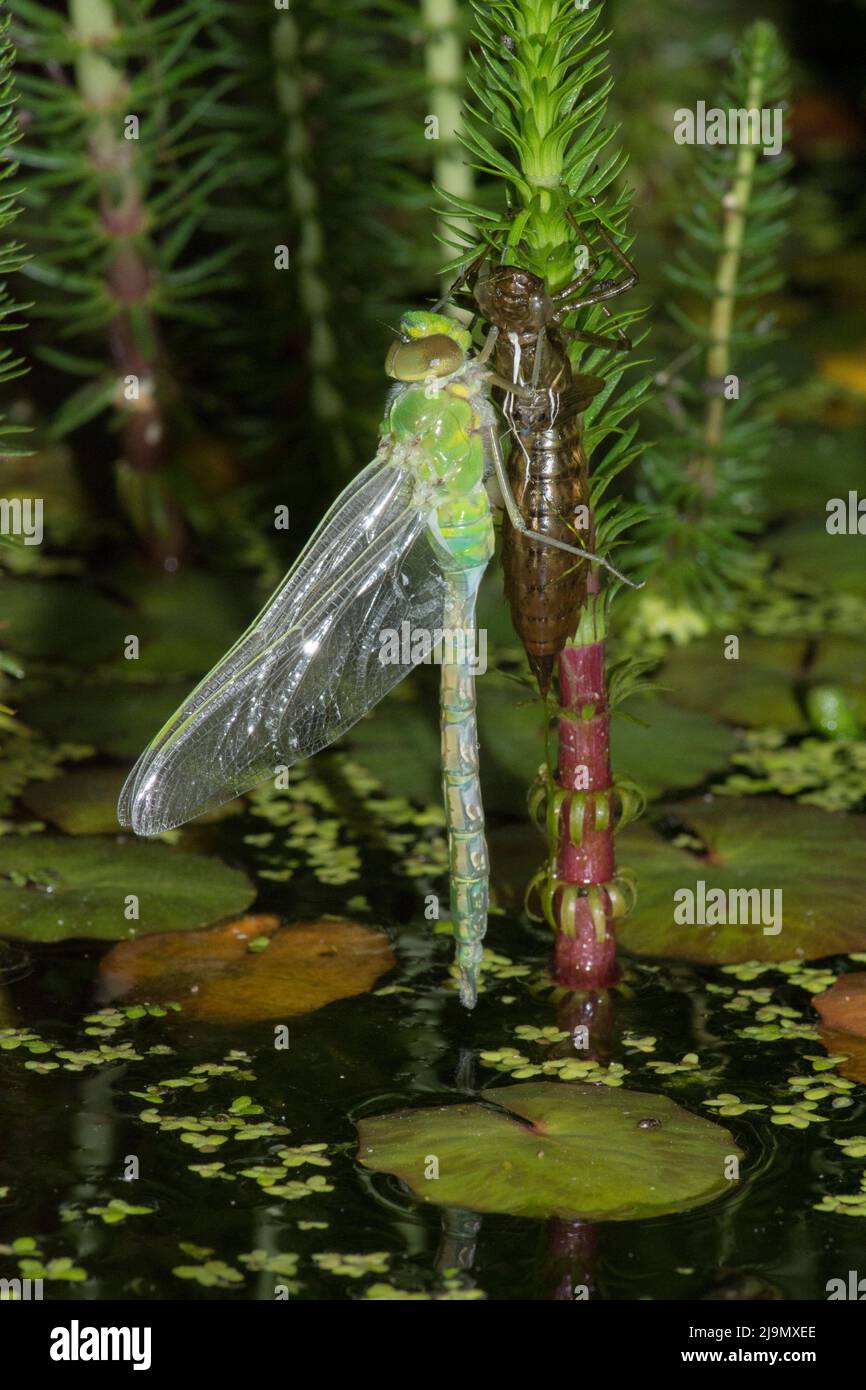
538	126
702	480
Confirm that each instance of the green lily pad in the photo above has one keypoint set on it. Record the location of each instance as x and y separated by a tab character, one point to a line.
758	688
814	859
52	888
83	802
117	719
660	747
187	621
834	562
62	620
841	661
380	741
554	1150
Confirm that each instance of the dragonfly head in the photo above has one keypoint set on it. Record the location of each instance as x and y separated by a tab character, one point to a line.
430	345
514	299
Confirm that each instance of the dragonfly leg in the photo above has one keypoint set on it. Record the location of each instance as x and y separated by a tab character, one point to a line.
606	289
462	279
514	516
622	341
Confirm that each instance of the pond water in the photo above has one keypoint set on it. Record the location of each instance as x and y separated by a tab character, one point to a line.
71	1133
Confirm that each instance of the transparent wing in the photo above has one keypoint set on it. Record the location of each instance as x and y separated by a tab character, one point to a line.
309	665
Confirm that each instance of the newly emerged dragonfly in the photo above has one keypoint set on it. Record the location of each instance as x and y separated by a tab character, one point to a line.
547	493
406	542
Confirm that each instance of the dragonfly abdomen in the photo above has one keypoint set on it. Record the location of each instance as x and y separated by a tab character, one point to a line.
546	587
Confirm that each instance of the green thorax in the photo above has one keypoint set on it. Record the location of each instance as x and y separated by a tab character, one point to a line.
442	428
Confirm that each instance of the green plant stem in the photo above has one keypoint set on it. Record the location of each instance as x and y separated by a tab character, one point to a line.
132	332
443	59
734	211
310	257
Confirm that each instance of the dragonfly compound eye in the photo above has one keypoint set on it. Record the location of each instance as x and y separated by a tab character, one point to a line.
418	358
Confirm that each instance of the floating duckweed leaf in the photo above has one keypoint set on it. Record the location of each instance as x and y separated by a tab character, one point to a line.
117	1210
758	688
451	1290
818	772
213	1274
854	1146
353	1266
52	888
729	1104
689	1062
62	1269
260	1260
306	966
812	858
569	1151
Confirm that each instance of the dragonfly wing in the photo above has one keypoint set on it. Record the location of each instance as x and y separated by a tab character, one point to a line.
308	667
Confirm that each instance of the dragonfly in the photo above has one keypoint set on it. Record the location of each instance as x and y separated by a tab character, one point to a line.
407	541
546	493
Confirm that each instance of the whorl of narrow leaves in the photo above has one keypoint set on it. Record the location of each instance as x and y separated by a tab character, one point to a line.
341	176
704	479
537	123
125	147
12	254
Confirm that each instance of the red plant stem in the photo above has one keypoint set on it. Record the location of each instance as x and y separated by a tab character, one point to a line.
581	959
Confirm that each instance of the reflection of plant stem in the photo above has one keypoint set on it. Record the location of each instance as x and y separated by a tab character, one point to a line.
460	1232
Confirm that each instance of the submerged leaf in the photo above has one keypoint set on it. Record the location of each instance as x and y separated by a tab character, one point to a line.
213	973
554	1150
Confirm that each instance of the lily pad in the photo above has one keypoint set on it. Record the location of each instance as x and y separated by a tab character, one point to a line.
118	719
834	562
756	689
653	743
83	802
52	888
188	620
814	859
552	1149
62	620
217	976
843	1006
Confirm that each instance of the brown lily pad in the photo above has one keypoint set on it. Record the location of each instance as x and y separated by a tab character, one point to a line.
215	975
843	1006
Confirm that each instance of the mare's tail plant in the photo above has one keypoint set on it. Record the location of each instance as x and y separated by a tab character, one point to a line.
538	125
12	253
704	483
125	144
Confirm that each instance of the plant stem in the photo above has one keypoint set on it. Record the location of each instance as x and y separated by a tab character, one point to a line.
443	56
581	895
132	333
735	206
314	292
